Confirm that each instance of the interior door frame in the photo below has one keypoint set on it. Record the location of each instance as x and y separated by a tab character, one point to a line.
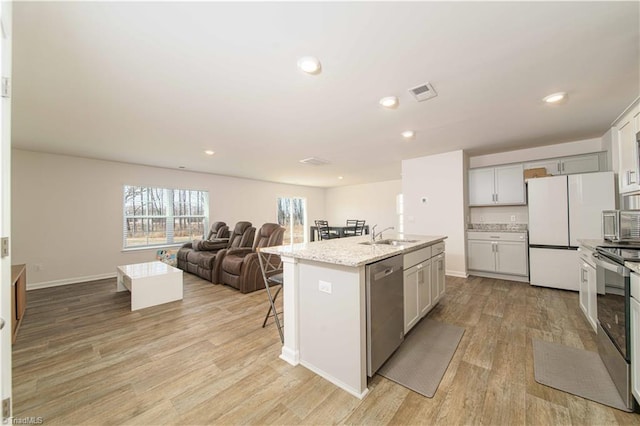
5	202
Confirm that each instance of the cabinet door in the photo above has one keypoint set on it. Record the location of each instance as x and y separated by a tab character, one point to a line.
511	258
635	348
437	278
552	166
583	287
580	164
481	187
510	184
424	287
628	155
592	302
481	255
411	312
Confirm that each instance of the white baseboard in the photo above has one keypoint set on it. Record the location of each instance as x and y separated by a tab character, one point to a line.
456	274
355	392
66	281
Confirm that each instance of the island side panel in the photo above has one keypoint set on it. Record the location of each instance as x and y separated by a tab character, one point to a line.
291	348
332	326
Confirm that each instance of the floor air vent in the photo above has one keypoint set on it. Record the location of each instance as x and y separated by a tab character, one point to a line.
423	92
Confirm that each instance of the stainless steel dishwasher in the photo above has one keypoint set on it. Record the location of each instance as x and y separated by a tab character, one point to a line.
385	311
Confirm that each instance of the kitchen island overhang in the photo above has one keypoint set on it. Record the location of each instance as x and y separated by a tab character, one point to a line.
324	303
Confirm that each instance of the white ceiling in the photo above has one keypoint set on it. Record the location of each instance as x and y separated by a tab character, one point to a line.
157	83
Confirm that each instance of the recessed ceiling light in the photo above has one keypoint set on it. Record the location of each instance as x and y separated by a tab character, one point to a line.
340	177
209	152
390	102
408	134
555	98
310	64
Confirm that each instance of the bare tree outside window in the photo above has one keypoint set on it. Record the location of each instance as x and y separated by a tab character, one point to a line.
292	216
160	216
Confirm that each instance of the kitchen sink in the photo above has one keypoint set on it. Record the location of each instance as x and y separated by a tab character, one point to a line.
388	242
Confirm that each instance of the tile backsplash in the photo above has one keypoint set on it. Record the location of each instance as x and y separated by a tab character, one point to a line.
501	214
498	226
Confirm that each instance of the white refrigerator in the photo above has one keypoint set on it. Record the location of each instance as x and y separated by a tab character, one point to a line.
562	210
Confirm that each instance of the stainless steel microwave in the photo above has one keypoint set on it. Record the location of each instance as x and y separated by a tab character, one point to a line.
621	225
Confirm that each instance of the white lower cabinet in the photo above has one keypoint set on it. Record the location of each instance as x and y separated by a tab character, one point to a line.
424	276
587	286
417	293
498	252
635	335
437	278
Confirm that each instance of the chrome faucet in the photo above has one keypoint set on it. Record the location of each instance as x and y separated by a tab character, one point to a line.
379	234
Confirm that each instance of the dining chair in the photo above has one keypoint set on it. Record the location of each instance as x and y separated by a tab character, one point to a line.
354	227
324	232
272	272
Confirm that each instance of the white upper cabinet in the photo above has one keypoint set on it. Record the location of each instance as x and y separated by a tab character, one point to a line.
502	185
625	130
586	163
580	164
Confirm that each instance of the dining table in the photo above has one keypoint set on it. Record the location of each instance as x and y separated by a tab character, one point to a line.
339	230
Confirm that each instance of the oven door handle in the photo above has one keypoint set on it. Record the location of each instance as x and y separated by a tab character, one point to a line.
611	266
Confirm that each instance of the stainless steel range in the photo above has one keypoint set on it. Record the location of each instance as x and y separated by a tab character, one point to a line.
614	336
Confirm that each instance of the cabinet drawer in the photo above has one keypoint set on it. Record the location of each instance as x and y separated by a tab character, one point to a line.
497	236
417	256
436	249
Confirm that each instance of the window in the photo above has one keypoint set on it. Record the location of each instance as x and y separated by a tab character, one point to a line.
161	216
292	216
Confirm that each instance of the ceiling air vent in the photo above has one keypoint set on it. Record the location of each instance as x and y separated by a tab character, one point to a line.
314	161
423	92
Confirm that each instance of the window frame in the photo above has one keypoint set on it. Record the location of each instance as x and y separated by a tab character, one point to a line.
167	216
289	231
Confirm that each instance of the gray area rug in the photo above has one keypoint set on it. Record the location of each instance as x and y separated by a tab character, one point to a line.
576	371
421	361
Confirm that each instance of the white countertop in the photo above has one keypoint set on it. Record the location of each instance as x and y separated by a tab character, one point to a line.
349	251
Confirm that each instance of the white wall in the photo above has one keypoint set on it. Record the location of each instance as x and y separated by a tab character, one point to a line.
540	153
373	202
442	180
67	211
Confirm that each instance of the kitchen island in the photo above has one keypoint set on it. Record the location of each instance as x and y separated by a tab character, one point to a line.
324	303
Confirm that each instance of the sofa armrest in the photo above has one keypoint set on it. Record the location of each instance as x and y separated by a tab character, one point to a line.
217	266
239	251
210	245
251	278
187	245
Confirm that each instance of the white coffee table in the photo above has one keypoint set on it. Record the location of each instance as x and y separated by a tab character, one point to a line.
150	283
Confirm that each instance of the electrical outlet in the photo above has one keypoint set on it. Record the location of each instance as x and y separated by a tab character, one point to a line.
37	267
324	286
513	218
481	219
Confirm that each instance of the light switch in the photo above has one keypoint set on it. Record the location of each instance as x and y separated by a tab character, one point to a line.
324	286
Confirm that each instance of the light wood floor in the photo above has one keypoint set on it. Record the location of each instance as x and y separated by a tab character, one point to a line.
82	357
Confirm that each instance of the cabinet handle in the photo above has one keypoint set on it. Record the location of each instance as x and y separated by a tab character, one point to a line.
558	167
562	166
632	173
496	198
494	237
